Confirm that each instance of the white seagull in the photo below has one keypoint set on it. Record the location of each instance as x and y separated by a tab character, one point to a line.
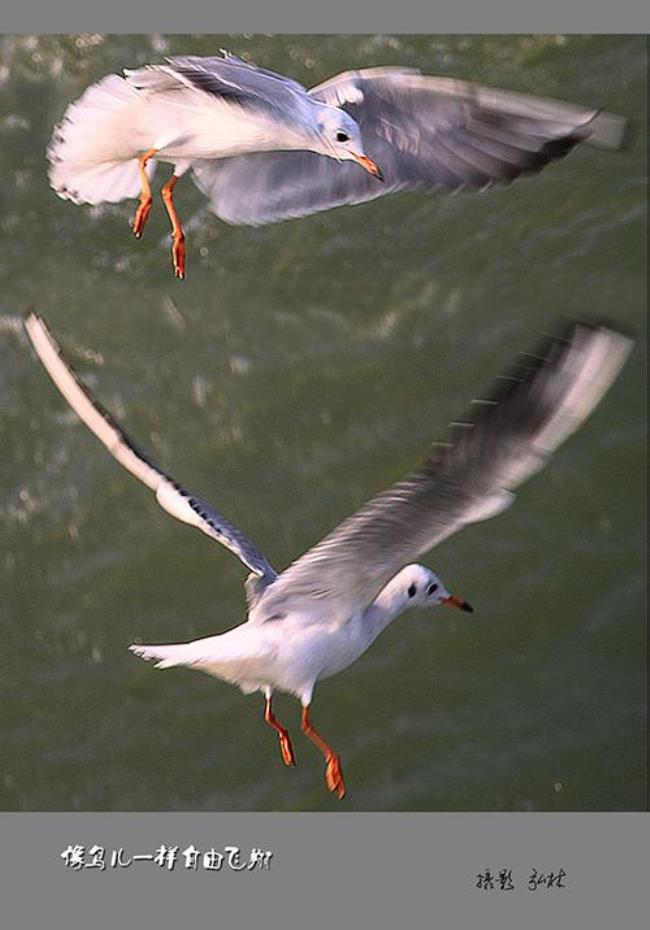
263	148
323	612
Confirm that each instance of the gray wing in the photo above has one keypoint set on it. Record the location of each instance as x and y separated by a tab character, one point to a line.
461	482
423	132
180	503
228	78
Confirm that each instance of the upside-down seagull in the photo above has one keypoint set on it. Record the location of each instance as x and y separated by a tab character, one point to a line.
262	148
321	613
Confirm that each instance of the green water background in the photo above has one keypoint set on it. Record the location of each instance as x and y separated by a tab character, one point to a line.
299	369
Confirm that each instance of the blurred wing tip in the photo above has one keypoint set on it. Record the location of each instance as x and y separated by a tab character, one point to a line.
575	330
590	354
612	338
31	315
39	332
608	131
614	330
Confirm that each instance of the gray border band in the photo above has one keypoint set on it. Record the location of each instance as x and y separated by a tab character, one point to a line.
367	871
441	16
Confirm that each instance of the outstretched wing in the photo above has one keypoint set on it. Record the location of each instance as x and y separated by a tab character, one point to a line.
467	480
423	132
176	500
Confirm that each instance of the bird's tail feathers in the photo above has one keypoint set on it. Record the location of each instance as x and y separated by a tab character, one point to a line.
165	656
236	656
92	152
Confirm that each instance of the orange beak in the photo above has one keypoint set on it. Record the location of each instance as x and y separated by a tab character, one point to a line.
460	602
369	166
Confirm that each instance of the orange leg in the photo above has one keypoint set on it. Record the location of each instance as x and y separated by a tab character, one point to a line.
178	247
333	772
283	734
144	208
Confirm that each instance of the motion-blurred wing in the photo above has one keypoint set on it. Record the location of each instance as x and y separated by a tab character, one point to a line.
423	132
173	498
464	481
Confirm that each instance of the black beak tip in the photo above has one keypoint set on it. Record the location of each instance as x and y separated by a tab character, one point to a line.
379	176
467	608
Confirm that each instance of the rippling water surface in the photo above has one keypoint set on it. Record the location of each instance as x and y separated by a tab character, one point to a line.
299	369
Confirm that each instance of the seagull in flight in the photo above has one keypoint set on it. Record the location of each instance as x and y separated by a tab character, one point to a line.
322	613
263	148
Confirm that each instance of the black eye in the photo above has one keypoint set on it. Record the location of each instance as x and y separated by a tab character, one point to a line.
432	587
342	137
412	591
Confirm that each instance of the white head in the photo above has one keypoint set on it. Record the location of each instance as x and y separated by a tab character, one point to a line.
339	137
418	586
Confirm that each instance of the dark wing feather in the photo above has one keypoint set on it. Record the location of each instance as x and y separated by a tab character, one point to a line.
229	79
467	480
